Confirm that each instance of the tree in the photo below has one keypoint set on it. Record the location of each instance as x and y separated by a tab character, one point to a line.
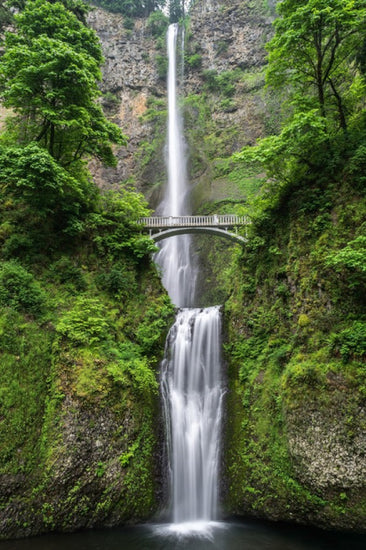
48	76
314	51
316	58
78	7
176	10
31	177
131	8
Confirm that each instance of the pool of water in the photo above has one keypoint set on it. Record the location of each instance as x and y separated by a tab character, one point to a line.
211	536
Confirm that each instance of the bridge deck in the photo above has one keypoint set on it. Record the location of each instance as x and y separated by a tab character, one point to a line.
165	222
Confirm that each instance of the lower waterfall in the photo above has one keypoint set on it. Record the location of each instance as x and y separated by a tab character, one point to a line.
192	394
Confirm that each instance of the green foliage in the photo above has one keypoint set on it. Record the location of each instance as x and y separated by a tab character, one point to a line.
157	23
302	143
86	323
221	47
77	7
149	331
351	342
133	369
115	226
357	166
110	100
52	51
66	272
318	41
162	66
352	256
312	60
126	457
25	355
305	373
194	61
89	377
19	290
30	176
228	105
130	8
119	281
222	83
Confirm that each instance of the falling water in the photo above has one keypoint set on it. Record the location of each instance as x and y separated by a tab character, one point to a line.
192	394
191	378
175	258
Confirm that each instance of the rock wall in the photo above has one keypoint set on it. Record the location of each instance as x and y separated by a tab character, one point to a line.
130	78
227	37
296	415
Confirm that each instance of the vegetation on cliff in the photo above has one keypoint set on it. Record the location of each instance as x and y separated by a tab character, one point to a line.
296	317
83	315
82	312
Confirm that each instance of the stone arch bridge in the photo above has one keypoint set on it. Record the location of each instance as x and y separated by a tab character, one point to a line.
226	225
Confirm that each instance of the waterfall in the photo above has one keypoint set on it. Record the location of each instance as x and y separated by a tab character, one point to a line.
192	394
174	257
191	372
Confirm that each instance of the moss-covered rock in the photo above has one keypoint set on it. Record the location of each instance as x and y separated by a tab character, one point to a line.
295	435
79	415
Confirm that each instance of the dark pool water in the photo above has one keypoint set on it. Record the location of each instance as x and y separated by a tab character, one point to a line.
220	536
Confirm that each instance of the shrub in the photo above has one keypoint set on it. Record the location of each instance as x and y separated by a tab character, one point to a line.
223	83
115	228
19	290
66	272
157	23
352	256
86	323
132	369
162	66
351	342
194	61
119	282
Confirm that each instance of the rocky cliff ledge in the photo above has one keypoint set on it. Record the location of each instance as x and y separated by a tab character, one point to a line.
130	78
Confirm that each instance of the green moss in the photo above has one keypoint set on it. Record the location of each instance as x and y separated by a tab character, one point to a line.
82	372
295	346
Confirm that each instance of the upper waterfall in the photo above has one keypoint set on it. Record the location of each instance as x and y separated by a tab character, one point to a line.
175	257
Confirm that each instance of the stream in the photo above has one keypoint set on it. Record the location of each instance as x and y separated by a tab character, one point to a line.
221	536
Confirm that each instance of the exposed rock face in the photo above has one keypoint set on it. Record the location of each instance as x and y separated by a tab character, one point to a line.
327	451
230	34
130	75
230	38
226	37
129	61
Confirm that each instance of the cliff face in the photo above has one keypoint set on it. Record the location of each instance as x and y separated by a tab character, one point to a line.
223	89
130	80
80	444
295	447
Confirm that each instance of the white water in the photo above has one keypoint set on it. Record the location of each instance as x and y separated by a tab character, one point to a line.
174	257
191	372
192	392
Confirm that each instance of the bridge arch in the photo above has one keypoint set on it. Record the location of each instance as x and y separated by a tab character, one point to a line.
163	227
166	233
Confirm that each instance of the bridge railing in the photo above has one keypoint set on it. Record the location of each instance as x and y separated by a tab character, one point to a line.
222	220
